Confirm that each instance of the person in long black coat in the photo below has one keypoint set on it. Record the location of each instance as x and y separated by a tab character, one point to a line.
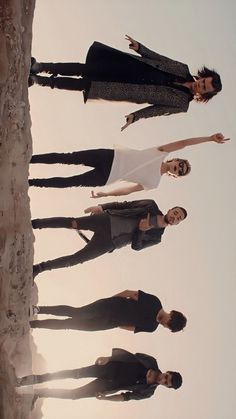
109	74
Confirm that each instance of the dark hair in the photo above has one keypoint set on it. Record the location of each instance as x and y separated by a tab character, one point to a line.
182	209
177	321
176	379
188	165
216	83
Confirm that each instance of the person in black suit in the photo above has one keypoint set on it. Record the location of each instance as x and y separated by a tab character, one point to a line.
164	84
117	224
138	374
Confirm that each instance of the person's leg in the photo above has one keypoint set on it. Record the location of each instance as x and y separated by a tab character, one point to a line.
92	317
100	159
66	83
64	69
91	178
59	310
89	390
99	244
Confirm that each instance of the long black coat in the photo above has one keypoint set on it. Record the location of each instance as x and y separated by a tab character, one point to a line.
165	100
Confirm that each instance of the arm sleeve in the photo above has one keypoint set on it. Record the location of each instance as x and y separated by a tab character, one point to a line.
155	110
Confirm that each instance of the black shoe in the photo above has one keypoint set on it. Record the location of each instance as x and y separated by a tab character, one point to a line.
31	80
35	67
37	269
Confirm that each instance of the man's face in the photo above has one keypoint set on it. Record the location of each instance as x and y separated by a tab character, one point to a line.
203	85
174	216
177	167
165	379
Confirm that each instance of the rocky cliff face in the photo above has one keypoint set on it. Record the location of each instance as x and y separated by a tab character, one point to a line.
16	238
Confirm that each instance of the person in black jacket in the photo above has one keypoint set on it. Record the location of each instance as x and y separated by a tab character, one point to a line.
136	311
164	84
117	224
138	374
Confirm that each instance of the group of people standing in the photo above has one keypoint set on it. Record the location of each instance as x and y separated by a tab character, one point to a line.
168	87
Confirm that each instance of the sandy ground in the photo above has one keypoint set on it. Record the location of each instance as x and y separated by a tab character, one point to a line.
16	237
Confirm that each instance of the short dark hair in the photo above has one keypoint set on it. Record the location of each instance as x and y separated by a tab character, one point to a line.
182	209
216	82
176	379
177	321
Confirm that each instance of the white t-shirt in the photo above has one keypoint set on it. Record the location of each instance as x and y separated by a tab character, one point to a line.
137	166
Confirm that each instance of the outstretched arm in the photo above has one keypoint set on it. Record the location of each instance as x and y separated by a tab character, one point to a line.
178	145
119	191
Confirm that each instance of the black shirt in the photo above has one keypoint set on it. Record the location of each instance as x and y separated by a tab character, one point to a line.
141	314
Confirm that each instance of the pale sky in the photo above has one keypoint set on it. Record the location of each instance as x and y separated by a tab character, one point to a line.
193	270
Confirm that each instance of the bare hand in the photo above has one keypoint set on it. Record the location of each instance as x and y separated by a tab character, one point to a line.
100	396
129	120
144	224
94	210
219	138
133	44
102	360
98	194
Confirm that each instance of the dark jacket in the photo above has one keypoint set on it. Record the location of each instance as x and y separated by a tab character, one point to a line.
139	209
164	100
137	391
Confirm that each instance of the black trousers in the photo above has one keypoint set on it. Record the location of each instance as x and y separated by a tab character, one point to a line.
105	381
99	244
100	159
101	315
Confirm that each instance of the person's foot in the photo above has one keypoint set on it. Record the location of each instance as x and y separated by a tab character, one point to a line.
28	380
35	66
37	269
34	400
31	80
33	311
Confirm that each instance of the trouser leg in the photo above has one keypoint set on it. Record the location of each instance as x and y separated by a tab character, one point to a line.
99	244
66	83
91	317
90	178
64	69
100	159
89	390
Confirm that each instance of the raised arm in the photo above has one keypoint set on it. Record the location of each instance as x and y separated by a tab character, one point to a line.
119	191
178	145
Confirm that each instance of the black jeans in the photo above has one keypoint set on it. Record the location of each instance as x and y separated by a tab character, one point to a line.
105	381
99	244
100	159
100	315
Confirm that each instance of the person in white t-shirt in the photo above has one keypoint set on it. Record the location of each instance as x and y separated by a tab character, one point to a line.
142	168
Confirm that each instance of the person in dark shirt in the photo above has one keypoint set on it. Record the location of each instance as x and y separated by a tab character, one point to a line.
166	85
138	374
115	225
136	311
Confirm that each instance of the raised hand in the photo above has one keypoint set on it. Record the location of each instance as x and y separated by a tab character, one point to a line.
219	138
133	44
